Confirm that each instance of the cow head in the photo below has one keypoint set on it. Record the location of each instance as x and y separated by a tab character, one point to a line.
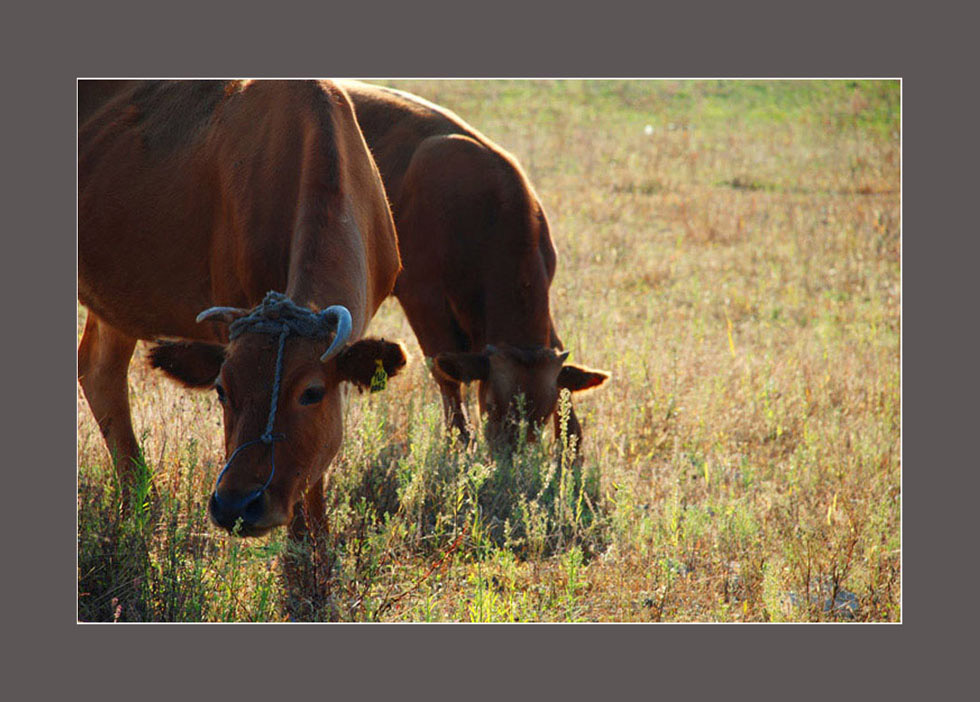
269	468
505	373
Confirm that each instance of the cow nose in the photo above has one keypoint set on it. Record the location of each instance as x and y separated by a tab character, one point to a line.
227	508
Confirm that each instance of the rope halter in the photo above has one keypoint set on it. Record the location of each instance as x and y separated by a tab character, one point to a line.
277	314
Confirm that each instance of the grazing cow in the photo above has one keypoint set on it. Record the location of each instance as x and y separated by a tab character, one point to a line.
202	193
477	261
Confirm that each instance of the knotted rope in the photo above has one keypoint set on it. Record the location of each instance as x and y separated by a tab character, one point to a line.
277	314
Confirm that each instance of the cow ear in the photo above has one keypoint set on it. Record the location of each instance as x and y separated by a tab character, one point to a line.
462	367
368	363
577	378
194	364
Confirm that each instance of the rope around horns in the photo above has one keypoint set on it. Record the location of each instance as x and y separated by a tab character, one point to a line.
276	314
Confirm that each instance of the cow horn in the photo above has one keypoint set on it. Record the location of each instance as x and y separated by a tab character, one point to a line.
563	355
339	316
220	314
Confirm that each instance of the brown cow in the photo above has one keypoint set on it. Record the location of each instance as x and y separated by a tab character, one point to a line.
477	261
195	194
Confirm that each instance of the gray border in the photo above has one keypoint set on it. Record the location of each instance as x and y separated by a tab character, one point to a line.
827	39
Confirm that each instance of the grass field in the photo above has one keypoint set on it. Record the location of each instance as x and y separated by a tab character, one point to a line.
730	251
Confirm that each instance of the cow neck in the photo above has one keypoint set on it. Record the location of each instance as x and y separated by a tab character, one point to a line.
315	276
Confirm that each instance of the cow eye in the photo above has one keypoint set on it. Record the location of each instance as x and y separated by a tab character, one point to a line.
312	395
220	391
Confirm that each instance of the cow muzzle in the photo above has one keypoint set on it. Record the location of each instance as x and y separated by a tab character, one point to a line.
249	514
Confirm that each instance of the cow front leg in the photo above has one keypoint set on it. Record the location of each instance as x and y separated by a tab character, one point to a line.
103	362
308	561
454	410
